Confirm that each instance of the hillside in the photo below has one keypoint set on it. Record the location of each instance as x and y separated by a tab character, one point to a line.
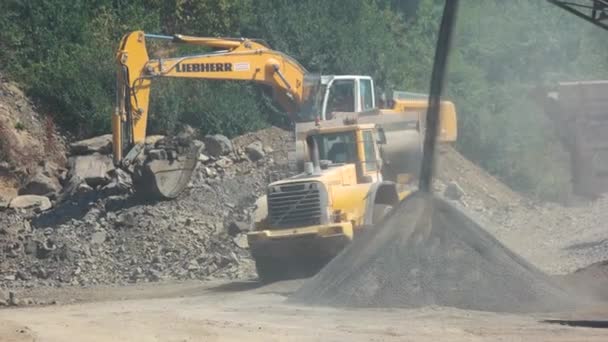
29	142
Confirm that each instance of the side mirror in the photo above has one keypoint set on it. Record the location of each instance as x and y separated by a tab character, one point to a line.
381	136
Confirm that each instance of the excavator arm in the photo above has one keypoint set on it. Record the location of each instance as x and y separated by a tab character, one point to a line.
238	59
166	172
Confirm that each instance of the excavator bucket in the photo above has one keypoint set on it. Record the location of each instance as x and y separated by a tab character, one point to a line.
166	171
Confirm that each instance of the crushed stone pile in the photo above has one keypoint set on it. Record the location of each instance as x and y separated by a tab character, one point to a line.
481	191
421	256
557	238
95	236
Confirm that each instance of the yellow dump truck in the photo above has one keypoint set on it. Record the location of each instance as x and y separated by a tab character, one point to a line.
343	188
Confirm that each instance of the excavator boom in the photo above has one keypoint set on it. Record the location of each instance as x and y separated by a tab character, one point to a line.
240	59
168	173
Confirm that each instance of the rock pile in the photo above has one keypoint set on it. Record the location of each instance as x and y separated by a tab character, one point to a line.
97	234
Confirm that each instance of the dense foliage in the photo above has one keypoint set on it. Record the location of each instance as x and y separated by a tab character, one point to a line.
62	53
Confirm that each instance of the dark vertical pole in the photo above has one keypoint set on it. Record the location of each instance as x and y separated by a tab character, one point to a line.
437	77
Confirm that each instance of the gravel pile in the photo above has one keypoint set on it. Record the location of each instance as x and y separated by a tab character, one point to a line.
429	253
557	238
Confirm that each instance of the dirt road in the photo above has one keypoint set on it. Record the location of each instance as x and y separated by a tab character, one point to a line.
236	311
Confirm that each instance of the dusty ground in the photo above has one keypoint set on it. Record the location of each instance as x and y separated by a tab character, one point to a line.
213	311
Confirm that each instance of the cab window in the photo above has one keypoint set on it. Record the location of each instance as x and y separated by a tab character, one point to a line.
371	163
337	147
365	89
341	96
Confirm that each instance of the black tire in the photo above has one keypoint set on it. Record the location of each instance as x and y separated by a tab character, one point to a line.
380	211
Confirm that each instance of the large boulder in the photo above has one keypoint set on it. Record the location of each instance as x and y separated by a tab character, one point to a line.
93	169
255	151
101	144
35	202
41	184
75	188
218	145
121	183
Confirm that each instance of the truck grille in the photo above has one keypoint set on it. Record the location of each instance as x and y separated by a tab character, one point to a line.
296	204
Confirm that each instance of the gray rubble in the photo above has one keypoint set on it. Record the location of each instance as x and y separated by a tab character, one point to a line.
104	235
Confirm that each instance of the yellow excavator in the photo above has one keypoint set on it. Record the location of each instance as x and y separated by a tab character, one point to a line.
165	170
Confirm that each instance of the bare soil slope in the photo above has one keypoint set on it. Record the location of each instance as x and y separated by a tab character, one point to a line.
27	140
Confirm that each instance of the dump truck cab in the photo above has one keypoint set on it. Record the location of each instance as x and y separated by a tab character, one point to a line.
340	192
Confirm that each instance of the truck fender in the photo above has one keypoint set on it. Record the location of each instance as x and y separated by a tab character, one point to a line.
379	193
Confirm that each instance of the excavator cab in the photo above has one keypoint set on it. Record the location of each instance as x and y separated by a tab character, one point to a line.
348	93
329	94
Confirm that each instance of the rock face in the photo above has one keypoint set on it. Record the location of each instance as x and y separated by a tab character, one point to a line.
218	145
101	144
30	202
93	169
29	143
